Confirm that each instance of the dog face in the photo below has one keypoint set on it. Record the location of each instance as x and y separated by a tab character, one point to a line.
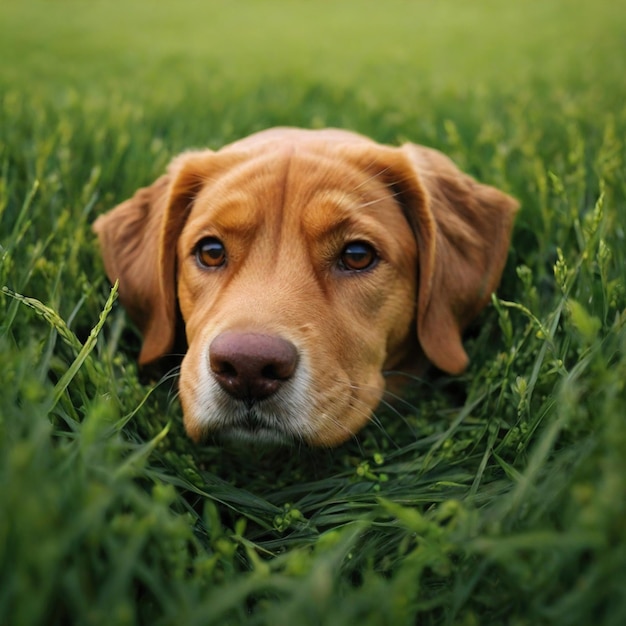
303	264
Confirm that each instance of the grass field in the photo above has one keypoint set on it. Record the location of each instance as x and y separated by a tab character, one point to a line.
498	497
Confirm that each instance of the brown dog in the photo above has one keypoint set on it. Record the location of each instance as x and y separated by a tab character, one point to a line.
304	263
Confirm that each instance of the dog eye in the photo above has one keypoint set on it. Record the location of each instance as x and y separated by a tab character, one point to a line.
357	256
210	253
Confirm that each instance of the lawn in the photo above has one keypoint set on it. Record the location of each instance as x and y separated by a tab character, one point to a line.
495	497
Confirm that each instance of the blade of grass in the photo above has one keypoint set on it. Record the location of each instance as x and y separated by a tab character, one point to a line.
89	345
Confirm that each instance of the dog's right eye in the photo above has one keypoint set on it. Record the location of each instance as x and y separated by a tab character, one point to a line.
210	253
357	256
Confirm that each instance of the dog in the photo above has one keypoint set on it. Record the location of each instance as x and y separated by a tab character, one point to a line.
302	264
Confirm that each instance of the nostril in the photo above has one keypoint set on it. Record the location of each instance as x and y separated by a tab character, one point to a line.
278	371
223	367
270	372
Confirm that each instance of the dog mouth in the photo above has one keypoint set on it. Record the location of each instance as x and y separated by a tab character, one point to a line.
258	436
250	425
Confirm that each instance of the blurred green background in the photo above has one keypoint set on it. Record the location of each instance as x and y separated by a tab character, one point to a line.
388	52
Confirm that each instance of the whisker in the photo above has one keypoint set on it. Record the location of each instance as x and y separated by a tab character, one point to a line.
178	355
341	426
376	421
398	399
373	176
171	374
169	377
173	398
409	376
391	408
372	416
378	200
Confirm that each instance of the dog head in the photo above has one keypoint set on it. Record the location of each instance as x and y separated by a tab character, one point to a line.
304	264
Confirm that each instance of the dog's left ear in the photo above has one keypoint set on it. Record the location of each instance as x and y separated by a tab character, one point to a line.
463	229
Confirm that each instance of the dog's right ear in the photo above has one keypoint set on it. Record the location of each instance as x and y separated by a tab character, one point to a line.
138	245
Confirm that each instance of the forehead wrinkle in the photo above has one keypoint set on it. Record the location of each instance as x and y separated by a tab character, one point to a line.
340	200
329	210
242	197
352	220
336	216
313	173
334	206
249	205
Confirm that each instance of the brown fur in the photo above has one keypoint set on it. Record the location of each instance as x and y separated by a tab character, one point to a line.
285	202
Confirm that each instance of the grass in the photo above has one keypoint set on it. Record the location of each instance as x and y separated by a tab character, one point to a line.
498	497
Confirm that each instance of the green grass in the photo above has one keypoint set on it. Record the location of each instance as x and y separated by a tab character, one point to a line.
498	497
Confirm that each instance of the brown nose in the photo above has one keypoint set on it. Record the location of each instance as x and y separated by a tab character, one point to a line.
251	366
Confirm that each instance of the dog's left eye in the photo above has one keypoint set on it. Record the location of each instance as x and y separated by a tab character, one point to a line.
357	256
210	253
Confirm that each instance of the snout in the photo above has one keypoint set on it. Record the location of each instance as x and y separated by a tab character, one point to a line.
264	386
251	366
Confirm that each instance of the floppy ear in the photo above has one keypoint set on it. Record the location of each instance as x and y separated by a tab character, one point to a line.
138	244
463	231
